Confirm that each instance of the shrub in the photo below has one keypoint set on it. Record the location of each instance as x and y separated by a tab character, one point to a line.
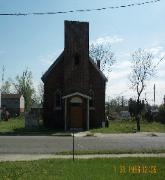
161	114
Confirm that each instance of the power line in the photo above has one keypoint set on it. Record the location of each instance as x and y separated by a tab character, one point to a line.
79	10
161	59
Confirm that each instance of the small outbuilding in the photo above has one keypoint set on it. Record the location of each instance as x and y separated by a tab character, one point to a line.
13	103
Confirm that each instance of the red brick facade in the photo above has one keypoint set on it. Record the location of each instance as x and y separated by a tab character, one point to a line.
73	85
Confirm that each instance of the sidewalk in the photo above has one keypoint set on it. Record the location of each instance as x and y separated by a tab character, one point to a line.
30	157
88	134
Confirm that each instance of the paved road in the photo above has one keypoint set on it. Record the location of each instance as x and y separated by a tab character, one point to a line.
53	144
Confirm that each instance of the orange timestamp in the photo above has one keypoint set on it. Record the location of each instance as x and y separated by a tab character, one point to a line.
136	169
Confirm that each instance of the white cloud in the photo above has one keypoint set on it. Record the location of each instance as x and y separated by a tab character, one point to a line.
122	65
118	76
155	50
108	39
158	53
124	55
119	85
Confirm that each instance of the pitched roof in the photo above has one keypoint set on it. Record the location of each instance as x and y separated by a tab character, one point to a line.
11	96
60	57
52	66
76	93
96	67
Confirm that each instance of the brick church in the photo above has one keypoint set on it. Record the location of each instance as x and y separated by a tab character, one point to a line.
74	86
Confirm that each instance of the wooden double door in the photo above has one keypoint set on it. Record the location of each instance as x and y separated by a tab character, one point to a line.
76	113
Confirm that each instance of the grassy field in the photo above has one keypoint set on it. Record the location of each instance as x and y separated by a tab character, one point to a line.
97	169
129	127
17	125
12	124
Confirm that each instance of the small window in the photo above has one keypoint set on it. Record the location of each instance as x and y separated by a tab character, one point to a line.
57	100
91	101
76	59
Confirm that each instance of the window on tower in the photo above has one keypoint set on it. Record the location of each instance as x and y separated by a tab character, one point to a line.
76	59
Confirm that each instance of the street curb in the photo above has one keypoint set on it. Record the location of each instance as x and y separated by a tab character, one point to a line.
31	157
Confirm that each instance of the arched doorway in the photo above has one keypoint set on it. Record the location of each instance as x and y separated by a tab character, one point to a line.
76	112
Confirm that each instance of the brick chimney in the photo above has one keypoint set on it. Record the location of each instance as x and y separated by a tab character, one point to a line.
98	64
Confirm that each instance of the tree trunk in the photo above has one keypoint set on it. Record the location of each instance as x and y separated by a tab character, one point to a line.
137	115
138	122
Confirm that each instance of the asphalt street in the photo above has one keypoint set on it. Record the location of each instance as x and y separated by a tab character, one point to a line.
53	144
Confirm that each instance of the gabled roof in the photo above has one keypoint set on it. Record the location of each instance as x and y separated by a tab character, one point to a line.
52	66
96	67
76	94
61	56
11	96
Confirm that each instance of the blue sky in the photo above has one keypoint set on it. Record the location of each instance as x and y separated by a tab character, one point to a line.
35	41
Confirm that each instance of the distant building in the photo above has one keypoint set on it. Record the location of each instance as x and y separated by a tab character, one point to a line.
13	103
125	114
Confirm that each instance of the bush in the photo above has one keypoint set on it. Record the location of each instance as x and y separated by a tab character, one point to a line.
161	114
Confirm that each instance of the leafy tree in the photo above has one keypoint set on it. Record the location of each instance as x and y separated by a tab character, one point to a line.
103	53
38	94
6	87
142	70
41	91
23	85
115	105
161	114
135	108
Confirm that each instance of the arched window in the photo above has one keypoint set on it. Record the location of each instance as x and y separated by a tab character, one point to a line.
91	101
57	99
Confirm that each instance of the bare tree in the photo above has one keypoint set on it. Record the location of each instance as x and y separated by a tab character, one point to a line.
142	70
104	54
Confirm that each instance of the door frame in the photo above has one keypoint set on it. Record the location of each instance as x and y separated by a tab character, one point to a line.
75	103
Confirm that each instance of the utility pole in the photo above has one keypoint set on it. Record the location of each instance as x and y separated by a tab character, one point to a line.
154	95
3	72
0	102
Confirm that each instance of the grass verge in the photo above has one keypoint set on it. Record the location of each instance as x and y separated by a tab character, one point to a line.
98	169
12	124
17	126
141	151
126	126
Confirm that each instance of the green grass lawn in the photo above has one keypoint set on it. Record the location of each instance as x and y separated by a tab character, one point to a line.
12	124
126	126
17	125
92	169
114	151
